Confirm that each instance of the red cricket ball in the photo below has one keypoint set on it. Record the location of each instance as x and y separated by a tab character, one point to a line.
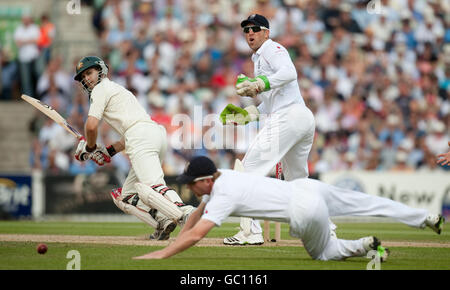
42	249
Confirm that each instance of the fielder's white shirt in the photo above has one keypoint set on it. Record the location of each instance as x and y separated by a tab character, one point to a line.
248	195
117	106
273	61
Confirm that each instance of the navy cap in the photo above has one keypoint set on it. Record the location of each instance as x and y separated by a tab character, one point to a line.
198	167
256	19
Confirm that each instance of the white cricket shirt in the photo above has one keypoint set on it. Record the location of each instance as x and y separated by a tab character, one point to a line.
117	106
248	195
273	61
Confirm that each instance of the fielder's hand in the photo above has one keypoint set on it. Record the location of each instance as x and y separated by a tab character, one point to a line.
251	87
238	116
82	154
444	158
102	155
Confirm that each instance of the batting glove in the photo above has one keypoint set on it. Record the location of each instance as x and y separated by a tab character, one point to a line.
103	155
238	116
251	87
82	153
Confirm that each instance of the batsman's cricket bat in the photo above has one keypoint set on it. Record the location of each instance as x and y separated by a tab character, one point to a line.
52	114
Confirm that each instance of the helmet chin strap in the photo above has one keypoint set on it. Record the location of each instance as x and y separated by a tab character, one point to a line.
102	73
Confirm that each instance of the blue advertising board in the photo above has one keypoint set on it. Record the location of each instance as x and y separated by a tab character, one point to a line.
15	195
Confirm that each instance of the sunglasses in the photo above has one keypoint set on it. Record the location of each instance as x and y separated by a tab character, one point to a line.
254	28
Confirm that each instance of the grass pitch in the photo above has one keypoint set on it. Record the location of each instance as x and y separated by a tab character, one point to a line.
430	251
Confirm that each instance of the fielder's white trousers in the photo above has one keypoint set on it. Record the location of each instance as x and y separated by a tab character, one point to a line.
314	202
287	136
145	145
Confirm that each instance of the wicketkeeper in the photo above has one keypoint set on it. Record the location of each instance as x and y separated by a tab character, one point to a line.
143	140
289	126
305	204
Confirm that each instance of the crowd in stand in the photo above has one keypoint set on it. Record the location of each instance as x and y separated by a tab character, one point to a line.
376	75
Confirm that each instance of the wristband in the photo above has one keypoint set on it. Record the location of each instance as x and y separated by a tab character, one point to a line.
111	150
266	82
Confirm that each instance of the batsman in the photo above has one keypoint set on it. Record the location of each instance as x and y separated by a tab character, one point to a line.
288	132
143	140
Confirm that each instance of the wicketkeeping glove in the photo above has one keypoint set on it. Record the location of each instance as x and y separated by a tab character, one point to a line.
238	116
246	86
81	154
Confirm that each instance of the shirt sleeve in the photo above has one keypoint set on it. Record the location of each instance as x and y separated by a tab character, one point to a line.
98	102
218	209
281	63
262	108
205	198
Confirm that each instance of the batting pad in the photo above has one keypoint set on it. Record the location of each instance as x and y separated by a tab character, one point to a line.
155	200
139	213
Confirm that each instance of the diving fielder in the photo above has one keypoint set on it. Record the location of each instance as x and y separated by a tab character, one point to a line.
288	132
143	140
305	204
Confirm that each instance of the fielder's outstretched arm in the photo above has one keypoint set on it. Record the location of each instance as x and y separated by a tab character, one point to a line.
193	218
183	242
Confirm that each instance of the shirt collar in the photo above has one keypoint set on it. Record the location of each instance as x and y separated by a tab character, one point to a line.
263	46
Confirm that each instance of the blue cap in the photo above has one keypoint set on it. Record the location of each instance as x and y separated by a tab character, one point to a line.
256	19
199	166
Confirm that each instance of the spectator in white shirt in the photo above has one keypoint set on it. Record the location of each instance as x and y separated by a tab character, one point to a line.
26	37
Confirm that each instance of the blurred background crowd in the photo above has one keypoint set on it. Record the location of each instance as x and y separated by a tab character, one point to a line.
376	75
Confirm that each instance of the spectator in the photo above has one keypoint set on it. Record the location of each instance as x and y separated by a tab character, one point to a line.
436	141
393	131
46	37
374	81
118	34
161	52
388	155
328	113
401	165
8	72
26	37
346	21
57	76
331	14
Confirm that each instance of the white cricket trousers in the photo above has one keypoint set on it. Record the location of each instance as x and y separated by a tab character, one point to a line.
145	145
287	137
314	202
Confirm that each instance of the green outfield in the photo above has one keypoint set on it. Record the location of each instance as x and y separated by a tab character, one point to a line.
410	248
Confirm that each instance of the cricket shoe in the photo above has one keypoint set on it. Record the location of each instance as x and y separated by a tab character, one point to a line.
163	231
242	239
165	226
373	243
333	234
435	222
333	228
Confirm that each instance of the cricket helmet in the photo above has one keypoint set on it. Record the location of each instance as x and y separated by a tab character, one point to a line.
90	62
